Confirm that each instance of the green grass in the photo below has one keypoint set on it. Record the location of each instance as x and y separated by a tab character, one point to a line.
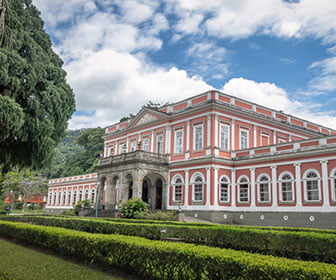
17	262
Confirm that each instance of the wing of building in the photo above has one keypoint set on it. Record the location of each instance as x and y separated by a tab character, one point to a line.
216	157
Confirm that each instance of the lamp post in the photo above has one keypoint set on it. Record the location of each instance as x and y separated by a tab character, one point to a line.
97	199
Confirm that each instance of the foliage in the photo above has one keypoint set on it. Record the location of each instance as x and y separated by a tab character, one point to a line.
134	207
81	205
165	260
36	265
161	216
304	245
35	100
22	183
64	150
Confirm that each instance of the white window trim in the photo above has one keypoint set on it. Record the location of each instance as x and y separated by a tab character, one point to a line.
173	183
333	185
282	140
194	137
143	144
240	138
248	189
280	181
269	187
133	145
175	141
318	178
229	188
193	186
228	136
157	143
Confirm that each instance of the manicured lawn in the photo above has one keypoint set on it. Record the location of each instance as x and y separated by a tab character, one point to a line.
17	262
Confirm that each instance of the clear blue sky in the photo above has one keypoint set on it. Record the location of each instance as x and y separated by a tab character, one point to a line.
120	54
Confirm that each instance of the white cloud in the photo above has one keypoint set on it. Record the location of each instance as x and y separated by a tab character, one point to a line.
114	84
274	97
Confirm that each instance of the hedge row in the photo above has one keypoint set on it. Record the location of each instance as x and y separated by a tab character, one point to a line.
165	260
298	229
296	245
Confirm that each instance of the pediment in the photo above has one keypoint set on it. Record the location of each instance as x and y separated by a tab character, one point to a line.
145	116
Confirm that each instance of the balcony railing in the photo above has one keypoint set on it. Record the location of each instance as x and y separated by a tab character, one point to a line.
136	156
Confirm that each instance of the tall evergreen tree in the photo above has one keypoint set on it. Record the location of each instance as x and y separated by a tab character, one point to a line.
35	100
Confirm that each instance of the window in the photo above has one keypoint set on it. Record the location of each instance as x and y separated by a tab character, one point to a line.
80	195
224	137
122	148
64	198
286	188
111	151
198	137
312	186
264	189
224	189
198	188
59	198
146	144
55	198
244	139
178	141
92	196
243	190
50	198
133	146
86	193
69	198
178	189
74	197
159	144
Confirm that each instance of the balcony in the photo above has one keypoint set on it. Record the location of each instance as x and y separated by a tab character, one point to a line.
134	157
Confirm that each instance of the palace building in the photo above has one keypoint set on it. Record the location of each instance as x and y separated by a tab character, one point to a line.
216	157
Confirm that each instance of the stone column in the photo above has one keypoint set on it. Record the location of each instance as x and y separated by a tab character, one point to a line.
274	187
187	152
233	188
325	186
208	183
298	184
253	187
215	185
208	142
186	188
233	144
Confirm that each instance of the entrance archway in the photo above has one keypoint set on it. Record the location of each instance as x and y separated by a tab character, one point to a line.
145	191
130	186
158	197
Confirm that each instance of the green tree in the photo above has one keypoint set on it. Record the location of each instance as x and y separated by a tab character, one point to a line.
23	183
85	161
35	100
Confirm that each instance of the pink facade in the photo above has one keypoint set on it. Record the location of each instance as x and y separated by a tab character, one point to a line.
224	154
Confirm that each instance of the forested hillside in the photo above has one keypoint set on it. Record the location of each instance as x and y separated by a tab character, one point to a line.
78	153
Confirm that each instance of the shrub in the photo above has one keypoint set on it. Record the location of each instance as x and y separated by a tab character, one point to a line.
297	245
68	213
81	205
165	260
133	208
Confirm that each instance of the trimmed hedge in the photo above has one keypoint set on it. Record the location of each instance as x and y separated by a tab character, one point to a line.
165	260
296	245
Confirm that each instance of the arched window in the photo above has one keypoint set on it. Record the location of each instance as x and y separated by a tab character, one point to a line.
243	185
80	195
198	183
224	195
50	198
87	194
69	198
312	183
263	188
59	198
74	197
64	198
333	184
177	185
286	187
93	195
55	198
